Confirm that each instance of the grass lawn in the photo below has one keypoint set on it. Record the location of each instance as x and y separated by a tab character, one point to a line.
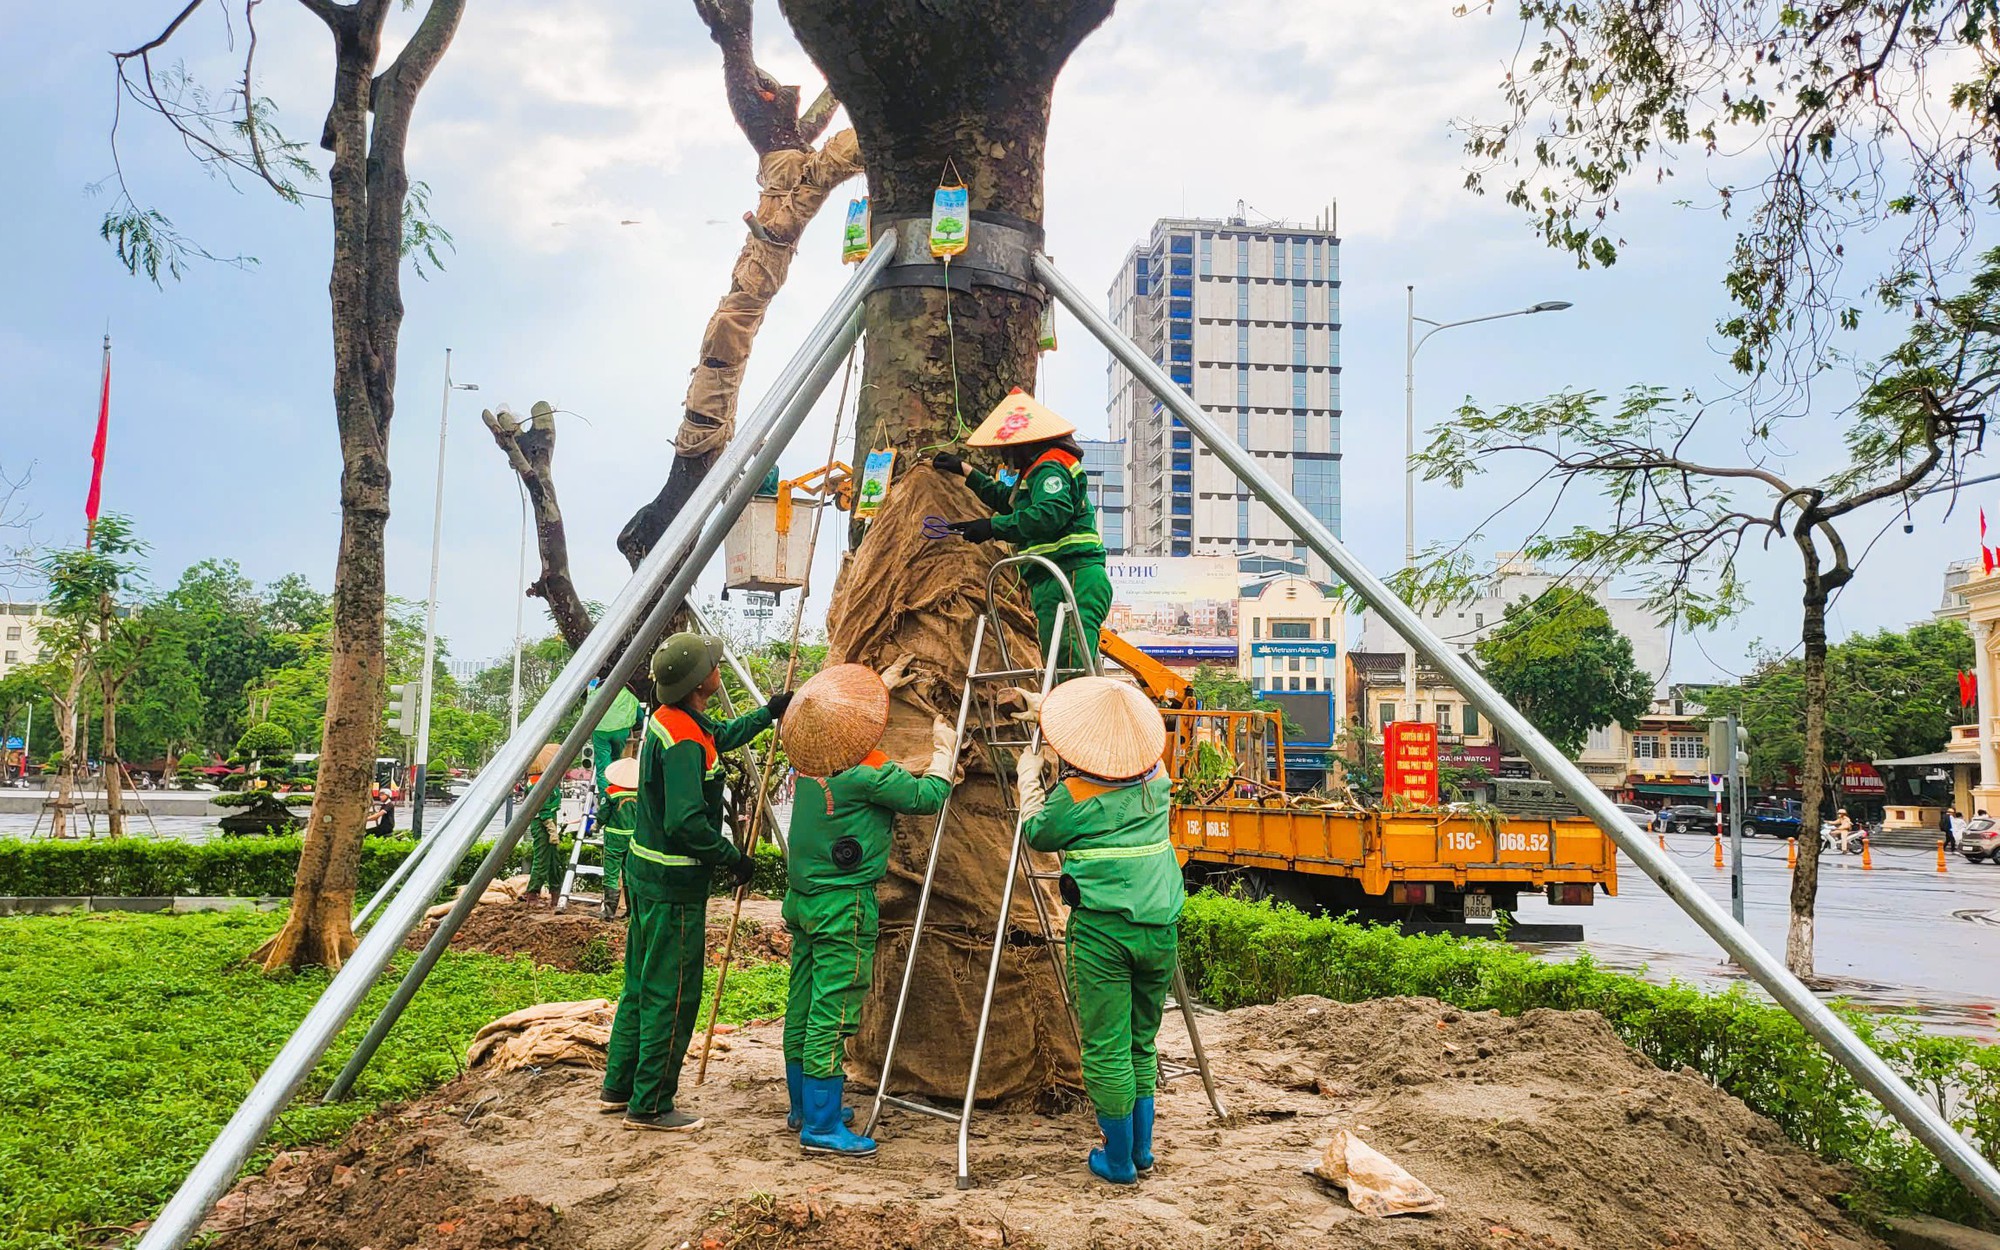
126	1042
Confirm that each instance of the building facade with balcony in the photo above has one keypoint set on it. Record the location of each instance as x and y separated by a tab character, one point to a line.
1246	320
1291	640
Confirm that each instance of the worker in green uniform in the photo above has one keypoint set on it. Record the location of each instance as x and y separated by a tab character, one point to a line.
677	844
1045	512
607	741
849	795
615	816
544	834
1107	817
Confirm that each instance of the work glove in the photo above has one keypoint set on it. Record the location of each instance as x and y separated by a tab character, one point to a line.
945	462
778	703
944	750
977	530
1031	706
898	675
1028	792
744	869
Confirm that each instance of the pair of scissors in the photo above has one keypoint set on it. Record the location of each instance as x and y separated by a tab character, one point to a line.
936	527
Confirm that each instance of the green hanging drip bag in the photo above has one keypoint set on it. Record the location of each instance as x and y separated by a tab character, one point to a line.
854	243
951	210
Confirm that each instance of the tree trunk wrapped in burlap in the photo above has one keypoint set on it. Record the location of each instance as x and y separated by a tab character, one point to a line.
793	186
901	592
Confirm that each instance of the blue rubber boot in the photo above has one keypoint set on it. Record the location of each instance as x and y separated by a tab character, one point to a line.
824	1132
795	1090
1142	1136
795	1078
1113	1160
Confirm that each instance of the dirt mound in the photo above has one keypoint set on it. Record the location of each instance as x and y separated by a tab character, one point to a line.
382	1187
580	940
768	1223
1540	1133
1551	1106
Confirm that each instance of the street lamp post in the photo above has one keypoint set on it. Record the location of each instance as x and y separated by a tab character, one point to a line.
423	751
520	602
1411	342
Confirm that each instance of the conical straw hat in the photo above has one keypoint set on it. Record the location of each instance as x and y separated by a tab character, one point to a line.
1103	727
1019	418
623	773
543	758
835	720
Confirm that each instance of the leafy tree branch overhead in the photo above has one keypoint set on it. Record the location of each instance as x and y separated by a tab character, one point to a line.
1812	122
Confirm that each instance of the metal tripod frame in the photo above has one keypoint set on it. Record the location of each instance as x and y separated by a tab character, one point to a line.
1951	1149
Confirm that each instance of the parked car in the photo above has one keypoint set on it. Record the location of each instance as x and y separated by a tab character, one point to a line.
1641	817
1772	821
1686	818
1979	839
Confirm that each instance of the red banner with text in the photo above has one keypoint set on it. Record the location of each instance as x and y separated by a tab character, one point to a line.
1410	762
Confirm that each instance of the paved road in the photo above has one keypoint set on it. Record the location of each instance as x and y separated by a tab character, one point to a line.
1899	937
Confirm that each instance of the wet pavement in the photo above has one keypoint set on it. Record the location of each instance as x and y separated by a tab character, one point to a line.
1901	937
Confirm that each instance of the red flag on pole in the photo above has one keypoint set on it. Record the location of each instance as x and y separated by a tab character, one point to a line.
1968	689
104	428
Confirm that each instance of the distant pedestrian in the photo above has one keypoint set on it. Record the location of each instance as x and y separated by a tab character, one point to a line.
1843	830
1948	826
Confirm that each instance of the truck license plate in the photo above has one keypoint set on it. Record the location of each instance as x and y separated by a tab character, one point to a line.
1479	907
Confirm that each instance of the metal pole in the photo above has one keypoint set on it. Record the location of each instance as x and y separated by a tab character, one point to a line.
1409	484
423	746
1850	1051
716	526
1733	792
520	606
219	1165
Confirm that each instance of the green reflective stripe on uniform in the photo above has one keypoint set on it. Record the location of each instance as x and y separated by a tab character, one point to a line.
1087	540
652	856
1118	852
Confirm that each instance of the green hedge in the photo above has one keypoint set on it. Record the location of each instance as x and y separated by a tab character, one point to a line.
244	867
1239	953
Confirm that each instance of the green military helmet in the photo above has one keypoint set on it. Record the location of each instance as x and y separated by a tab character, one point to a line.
682	663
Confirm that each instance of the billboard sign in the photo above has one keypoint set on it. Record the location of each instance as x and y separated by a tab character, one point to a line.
1322	650
1410	762
1175	607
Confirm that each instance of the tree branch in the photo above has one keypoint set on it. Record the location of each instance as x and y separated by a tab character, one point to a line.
530	449
767	112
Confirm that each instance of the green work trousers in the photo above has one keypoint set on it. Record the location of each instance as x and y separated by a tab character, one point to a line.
545	866
615	843
1092	587
833	962
659	1006
1119	972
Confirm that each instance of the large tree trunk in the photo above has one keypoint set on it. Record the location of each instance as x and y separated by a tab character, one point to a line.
368	183
1812	777
924	84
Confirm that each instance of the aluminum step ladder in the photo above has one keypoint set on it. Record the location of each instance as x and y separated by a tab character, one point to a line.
1000	736
587	835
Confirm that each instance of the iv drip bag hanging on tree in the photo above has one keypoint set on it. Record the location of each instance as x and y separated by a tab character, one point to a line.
854	243
951	208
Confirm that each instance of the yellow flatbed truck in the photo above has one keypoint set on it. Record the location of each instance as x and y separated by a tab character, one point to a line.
1430	871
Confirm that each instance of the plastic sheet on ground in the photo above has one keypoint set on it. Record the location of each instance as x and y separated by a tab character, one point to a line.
1376	1184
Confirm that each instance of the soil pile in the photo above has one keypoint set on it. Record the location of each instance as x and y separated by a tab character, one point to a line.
1540	1133
580	940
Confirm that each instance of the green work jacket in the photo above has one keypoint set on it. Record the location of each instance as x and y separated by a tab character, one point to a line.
1047	512
857	807
677	841
619	811
1113	840
551	806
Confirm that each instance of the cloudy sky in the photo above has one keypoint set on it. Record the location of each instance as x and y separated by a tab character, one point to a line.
551	125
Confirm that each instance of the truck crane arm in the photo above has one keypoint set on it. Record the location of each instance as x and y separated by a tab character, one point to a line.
1162	684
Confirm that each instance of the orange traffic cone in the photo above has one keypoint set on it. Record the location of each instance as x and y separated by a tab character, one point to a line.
1791	853
1867	860
1663	839
1718	850
1941	855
